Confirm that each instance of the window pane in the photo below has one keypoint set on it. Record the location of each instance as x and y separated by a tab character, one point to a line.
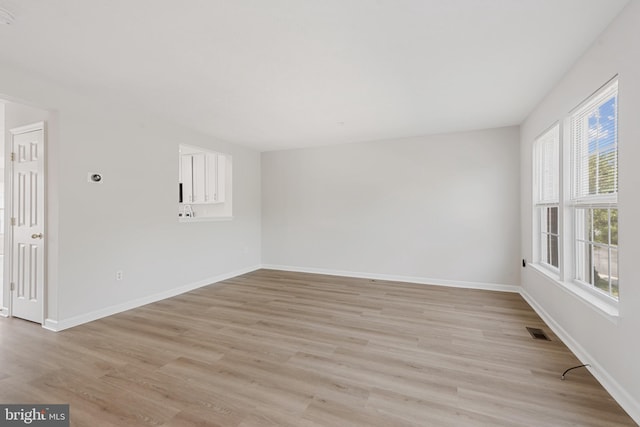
601	147
592	125
607	147
553	250
614	273
547	160
552	220
594	144
601	268
601	225
614	227
543	220
607	173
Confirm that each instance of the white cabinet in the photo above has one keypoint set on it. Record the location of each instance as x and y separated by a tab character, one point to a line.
202	175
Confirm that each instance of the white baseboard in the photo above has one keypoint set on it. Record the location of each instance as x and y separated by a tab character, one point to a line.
4	311
51	325
395	278
60	325
628	402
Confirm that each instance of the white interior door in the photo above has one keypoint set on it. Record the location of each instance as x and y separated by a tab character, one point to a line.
27	221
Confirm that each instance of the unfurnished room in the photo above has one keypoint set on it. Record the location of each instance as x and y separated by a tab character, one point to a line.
314	213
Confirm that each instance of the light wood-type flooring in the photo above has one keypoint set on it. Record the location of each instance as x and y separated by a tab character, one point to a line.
273	348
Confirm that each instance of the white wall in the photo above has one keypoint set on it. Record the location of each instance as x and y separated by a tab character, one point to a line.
128	222
611	346
443	208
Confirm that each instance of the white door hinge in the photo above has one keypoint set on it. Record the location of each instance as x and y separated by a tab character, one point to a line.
12	286
13	221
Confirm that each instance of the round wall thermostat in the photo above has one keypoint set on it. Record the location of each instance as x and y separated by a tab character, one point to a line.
94	177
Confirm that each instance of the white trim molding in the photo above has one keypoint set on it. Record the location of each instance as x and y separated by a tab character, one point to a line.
63	324
630	404
4	311
609	310
396	278
28	128
51	325
626	401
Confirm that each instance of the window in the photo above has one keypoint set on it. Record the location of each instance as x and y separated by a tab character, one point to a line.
204	184
547	195
597	248
595	147
594	195
575	200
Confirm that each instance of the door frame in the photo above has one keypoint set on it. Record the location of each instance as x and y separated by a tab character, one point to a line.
8	272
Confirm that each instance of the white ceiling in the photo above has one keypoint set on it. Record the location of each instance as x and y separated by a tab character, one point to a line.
277	74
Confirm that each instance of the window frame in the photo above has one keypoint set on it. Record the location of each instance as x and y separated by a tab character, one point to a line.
578	201
565	276
591	243
545	236
543	204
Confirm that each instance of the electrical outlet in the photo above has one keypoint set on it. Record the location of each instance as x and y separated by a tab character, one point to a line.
119	275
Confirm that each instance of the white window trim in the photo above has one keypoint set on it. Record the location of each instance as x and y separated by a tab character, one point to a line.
594	99
587	287
538	234
553	271
607	309
592	201
564	276
205	219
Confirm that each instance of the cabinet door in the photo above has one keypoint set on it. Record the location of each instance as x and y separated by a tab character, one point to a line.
211	178
221	175
186	177
202	176
199	178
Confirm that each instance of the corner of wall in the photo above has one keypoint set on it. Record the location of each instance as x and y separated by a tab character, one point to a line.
628	402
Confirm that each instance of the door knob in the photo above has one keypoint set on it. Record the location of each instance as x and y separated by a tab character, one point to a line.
37	236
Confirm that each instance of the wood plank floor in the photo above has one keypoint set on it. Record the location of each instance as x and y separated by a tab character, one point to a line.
274	348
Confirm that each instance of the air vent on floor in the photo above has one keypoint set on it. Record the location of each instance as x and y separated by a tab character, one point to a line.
538	334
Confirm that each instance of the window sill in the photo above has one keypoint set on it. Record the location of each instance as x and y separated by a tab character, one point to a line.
551	272
609	310
205	218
